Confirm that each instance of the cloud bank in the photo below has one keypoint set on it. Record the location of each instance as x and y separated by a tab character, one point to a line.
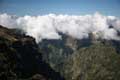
79	27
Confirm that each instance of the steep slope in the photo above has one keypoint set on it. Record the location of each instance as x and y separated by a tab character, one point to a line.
87	59
63	56
21	59
97	62
56	51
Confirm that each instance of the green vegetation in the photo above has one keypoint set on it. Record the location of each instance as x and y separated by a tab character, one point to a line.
7	61
21	59
97	62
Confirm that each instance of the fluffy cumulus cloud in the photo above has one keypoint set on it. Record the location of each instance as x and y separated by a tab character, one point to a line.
49	26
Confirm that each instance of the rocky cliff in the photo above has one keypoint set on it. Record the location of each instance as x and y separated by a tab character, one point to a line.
21	59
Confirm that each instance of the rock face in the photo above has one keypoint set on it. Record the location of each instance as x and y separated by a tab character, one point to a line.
97	62
87	59
21	59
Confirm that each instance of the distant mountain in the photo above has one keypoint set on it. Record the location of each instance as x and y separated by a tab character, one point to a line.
96	62
78	59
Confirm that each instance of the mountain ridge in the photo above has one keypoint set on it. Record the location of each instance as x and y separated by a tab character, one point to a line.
20	54
62	59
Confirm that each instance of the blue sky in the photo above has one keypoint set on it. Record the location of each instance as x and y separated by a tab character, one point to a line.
72	7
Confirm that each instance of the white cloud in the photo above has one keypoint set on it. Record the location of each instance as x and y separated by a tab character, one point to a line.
48	26
8	20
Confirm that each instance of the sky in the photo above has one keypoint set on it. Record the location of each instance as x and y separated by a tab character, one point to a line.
70	7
